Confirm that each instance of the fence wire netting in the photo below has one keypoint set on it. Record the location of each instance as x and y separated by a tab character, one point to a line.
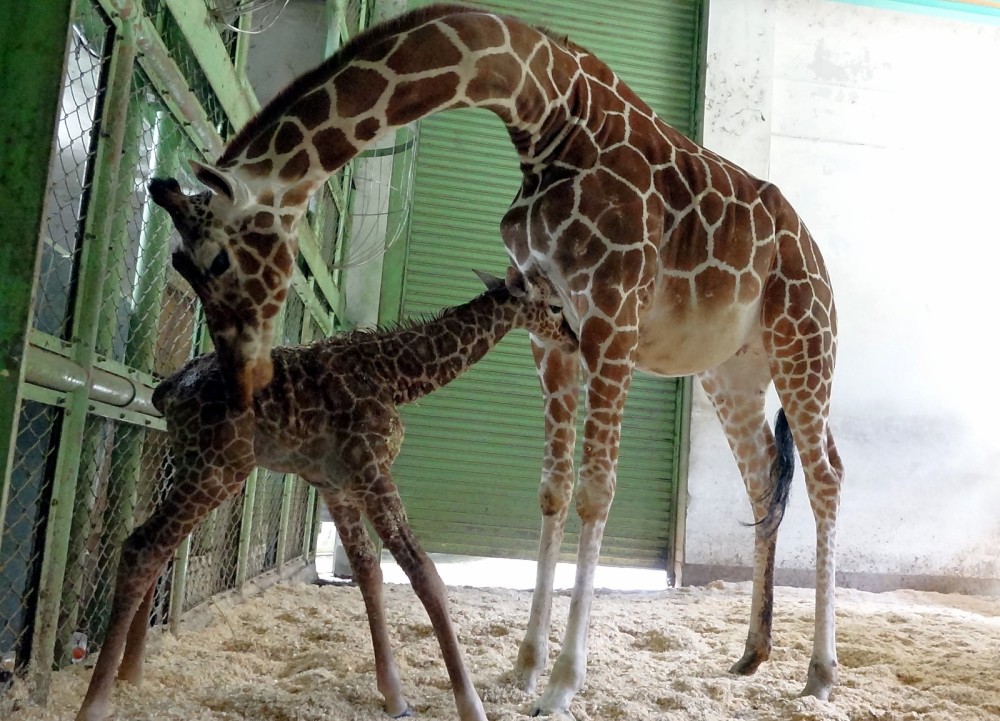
124	472
23	540
213	555
150	311
116	462
71	177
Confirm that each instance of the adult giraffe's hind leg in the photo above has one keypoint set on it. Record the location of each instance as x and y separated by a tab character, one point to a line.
558	372
799	323
737	390
368	573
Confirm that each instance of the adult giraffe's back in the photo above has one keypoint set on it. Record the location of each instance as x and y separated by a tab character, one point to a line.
667	257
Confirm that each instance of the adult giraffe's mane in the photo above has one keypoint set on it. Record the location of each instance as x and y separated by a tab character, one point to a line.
273	110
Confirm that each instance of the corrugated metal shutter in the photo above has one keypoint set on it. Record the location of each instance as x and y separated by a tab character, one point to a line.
471	460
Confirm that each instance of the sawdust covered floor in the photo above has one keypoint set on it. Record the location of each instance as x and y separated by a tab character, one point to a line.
303	653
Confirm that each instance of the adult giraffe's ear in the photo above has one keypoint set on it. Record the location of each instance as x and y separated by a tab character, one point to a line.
516	283
221	183
490	281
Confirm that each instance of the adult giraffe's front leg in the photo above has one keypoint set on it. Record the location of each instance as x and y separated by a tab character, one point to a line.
558	371
608	355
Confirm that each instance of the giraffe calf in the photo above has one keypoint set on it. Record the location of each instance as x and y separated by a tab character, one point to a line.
331	415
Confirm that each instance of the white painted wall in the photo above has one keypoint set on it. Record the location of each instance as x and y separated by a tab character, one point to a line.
882	129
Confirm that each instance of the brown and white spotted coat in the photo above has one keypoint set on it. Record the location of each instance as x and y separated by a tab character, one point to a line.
668	258
331	415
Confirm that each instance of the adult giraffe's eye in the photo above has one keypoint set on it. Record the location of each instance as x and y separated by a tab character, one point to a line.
555	308
220	265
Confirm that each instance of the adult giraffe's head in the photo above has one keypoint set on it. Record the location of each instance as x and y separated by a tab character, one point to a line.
236	251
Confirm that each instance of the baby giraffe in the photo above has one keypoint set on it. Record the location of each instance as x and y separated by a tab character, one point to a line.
330	415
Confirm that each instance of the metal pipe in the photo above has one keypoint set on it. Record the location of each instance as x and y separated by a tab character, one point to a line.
59	373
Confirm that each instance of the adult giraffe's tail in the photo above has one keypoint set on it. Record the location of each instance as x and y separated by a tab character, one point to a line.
782	469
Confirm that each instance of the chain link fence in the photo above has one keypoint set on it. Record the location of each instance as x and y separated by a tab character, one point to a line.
111	318
24	527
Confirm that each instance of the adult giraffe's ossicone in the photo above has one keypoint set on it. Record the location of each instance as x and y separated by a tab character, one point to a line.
667	257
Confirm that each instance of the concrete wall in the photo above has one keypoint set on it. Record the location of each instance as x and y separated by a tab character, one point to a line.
881	128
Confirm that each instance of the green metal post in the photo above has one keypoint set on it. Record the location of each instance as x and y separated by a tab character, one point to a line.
682	450
146	300
110	196
336	25
311	523
246	529
93	255
32	61
243	50
178	585
118	238
288	485
394	261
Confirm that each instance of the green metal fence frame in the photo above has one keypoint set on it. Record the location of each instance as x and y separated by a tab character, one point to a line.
75	375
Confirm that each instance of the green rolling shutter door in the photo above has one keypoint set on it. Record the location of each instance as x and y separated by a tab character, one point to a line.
469	468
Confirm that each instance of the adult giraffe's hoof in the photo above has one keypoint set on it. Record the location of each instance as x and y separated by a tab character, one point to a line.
822	678
523	680
528	667
555	715
406	713
526	680
750	662
756	652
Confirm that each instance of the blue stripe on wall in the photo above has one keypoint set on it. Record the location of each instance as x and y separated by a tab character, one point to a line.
984	14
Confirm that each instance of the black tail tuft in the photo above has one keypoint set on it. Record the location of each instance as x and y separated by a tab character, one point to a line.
782	470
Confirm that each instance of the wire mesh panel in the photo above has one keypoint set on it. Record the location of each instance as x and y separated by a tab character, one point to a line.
149	311
125	471
23	529
69	187
267	521
144	322
183	54
297	520
213	555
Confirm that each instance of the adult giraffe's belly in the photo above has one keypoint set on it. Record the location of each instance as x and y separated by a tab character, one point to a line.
681	340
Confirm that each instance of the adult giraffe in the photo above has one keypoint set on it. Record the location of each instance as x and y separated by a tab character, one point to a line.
668	258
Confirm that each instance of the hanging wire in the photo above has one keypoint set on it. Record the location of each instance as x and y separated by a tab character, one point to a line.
382	198
81	43
227	12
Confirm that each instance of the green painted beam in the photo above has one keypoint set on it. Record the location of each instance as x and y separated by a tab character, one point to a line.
246	529
32	58
309	249
178	585
193	19
288	485
311	524
682	450
163	72
86	319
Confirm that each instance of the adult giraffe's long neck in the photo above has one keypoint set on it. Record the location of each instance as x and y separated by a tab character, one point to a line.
436	58
433	353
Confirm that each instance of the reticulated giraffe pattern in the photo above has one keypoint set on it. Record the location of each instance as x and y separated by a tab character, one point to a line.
668	258
331	415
